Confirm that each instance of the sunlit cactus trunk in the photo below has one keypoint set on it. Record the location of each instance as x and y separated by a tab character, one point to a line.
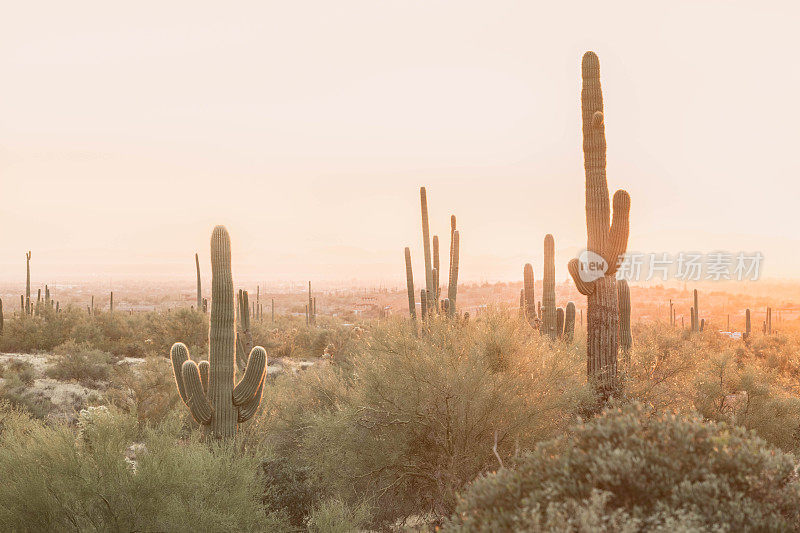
426	244
549	312
2	320
605	237
208	388
28	283
452	286
199	287
529	305
111	303
569	322
696	313
624	302
412	306
560	322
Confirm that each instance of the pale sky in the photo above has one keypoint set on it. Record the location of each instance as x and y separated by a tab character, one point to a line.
128	131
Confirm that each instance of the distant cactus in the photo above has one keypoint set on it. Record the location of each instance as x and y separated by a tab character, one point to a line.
412	306
607	240
436	270
560	322
522	304
426	244
273	309
208	389
47	301
769	321
423	303
549	313
452	286
624	301
199	287
747	324
702	324
1	317
530	297
28	283
696	321
569	322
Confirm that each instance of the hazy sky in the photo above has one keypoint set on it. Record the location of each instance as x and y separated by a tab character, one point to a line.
128	131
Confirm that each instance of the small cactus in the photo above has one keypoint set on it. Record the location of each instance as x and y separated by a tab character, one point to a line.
696	315
208	389
549	313
423	303
560	322
1	317
569	322
530	297
412	305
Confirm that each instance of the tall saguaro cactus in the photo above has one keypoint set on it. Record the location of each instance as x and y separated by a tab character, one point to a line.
549	312
208	388
426	243
606	238
199	287
412	305
28	283
452	286
696	314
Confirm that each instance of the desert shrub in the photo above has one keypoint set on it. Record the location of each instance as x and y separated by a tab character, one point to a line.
146	390
90	484
18	376
336	516
21	370
633	469
413	418
79	362
286	489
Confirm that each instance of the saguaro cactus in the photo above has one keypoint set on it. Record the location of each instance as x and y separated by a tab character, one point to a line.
606	240
199	287
549	313
208	388
624	301
426	243
530	297
696	316
244	337
569	322
560	322
1	317
436	268
28	283
412	305
452	286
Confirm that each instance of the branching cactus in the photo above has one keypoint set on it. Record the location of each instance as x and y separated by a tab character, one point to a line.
412	305
624	299
549	312
208	389
606	238
569	322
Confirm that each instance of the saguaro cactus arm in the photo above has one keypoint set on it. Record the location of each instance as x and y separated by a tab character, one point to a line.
253	375
196	399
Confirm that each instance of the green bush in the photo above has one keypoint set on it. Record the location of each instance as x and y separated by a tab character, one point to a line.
409	421
636	470
55	479
79	362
